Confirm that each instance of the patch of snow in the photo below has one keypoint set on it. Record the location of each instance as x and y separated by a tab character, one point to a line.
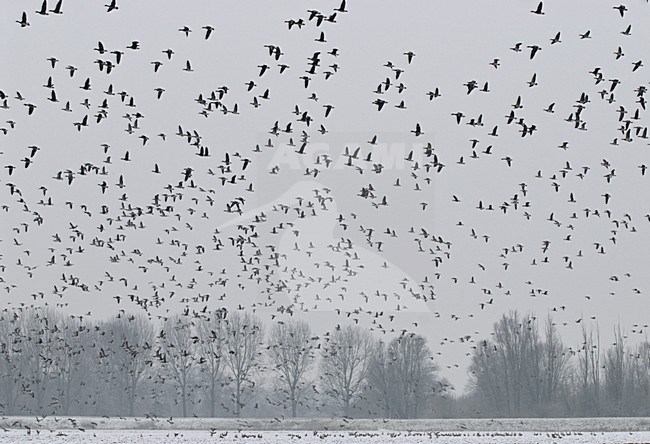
303	437
89	423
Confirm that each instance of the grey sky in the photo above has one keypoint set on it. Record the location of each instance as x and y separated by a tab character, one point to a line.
454	43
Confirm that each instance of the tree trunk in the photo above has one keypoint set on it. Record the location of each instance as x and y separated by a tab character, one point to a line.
292	398
131	402
212	399
184	400
237	399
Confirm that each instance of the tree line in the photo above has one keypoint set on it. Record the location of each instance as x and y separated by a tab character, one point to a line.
220	364
522	371
212	364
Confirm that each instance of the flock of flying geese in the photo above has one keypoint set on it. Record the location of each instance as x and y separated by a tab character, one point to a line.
198	240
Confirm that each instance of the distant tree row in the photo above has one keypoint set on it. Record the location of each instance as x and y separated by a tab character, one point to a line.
522	372
215	364
226	364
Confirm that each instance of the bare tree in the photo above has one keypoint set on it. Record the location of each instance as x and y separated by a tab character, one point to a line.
11	360
71	358
344	365
412	374
404	376
378	377
556	365
486	376
509	373
615	373
38	351
589	371
211	336
637	389
244	336
291	352
178	348
128	354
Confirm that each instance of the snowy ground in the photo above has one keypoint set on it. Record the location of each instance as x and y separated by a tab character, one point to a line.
90	423
202	436
96	430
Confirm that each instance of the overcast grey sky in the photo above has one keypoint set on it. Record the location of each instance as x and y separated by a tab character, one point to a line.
454	43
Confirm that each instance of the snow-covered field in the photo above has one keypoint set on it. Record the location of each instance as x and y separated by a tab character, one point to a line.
202	436
89	423
95	430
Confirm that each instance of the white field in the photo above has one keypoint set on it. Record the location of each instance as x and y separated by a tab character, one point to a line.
95	430
283	437
90	423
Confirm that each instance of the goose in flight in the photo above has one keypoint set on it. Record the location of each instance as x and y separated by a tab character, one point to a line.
433	94
112	6
621	9
57	8
341	8
539	10
43	10
208	31
556	39
23	20
534	49
417	131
